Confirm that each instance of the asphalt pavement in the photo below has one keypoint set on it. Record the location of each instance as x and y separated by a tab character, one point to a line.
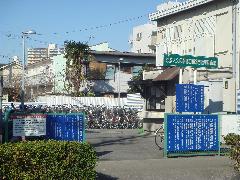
125	154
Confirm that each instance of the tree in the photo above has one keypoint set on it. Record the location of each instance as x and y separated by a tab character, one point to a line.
135	87
13	88
78	57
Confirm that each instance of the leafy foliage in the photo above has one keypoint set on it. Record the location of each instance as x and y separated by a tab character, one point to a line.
138	88
78	57
234	141
47	160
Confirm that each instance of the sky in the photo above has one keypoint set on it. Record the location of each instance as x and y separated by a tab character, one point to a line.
56	21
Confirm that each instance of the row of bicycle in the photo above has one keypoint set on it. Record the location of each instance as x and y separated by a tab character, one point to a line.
97	117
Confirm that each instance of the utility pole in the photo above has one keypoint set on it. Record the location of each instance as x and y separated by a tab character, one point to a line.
235	50
1	95
24	35
119	85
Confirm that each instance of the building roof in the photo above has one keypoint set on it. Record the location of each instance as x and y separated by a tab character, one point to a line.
168	74
124	57
118	53
177	8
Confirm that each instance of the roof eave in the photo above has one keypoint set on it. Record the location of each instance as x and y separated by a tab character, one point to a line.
177	9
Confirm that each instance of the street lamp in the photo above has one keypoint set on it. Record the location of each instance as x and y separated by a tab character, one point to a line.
24	35
119	68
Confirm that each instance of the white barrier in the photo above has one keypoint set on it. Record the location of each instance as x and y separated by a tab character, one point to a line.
230	124
88	101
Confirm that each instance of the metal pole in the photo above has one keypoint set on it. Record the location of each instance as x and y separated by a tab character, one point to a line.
195	77
23	73
119	65
180	76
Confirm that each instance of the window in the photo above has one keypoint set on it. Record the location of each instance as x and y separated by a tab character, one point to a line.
136	70
155	98
96	70
110	72
125	69
139	36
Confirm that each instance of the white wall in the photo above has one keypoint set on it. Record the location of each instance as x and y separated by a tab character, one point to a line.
142	43
204	31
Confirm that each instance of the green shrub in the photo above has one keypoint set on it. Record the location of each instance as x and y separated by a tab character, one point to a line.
47	160
234	141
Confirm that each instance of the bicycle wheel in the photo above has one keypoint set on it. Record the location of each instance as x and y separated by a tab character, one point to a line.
140	124
159	138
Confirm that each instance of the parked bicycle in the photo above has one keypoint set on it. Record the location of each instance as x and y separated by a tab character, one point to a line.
159	137
96	117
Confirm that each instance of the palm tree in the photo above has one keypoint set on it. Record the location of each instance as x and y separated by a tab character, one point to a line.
78	57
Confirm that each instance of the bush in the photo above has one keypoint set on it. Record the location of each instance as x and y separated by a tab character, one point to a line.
234	141
47	160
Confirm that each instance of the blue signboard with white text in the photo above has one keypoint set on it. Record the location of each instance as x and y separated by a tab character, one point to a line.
191	133
189	98
67	127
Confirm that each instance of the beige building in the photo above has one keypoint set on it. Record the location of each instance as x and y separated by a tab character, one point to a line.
143	38
202	28
35	55
207	28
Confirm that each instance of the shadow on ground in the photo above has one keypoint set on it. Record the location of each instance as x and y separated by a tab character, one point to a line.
119	140
101	176
102	153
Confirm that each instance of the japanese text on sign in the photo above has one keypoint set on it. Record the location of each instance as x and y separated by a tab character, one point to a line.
189	60
69	127
192	133
189	98
29	125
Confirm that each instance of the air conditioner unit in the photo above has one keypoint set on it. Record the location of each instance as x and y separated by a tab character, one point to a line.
229	95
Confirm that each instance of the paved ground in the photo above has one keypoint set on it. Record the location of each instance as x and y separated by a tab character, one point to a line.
123	145
124	154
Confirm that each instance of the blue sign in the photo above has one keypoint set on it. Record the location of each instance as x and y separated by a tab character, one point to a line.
68	127
189	98
192	133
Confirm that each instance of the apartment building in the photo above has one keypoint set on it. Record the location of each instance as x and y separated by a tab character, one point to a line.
208	28
35	55
143	38
202	28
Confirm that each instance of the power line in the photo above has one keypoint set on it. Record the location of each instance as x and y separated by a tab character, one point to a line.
16	36
12	35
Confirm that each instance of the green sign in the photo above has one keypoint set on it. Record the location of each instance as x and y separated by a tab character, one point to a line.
189	60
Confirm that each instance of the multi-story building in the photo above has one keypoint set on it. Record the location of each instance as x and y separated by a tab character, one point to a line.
38	54
12	75
143	38
48	76
208	28
104	76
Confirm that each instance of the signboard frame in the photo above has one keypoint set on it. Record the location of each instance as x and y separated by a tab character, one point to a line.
62	137
190	153
192	100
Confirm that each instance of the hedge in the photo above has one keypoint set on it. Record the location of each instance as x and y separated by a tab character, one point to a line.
47	160
234	141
